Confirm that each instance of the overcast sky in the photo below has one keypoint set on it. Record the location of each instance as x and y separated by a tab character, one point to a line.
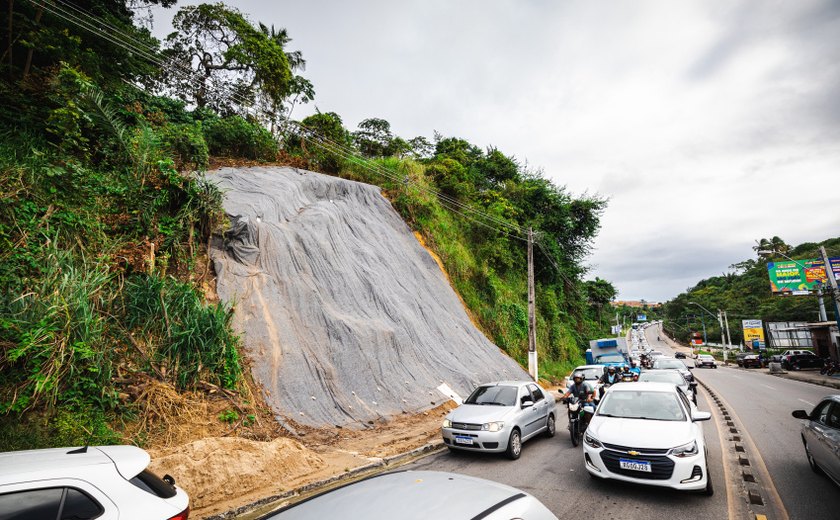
707	124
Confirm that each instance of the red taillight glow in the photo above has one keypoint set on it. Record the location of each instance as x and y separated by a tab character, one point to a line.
183	515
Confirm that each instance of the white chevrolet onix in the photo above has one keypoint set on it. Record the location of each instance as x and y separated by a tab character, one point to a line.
647	433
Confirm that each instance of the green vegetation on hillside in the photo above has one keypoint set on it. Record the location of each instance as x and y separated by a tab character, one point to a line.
744	293
105	215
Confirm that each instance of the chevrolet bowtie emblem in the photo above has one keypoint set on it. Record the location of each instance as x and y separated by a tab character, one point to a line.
631	452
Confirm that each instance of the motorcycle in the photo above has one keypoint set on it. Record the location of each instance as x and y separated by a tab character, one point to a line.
829	367
577	411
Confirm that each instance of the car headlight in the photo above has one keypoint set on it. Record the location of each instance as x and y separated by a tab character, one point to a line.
686	450
446	423
591	441
493	426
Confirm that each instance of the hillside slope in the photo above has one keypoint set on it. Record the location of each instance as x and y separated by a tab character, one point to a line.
346	318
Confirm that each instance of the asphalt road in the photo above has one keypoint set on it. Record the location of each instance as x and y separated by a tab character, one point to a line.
763	404
553	471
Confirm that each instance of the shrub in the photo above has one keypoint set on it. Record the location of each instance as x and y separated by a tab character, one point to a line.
186	144
236	137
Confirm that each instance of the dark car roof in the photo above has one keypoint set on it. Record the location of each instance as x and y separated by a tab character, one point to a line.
407	495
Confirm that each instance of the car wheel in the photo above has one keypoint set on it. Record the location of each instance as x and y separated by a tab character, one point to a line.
514	449
710	489
811	462
550	427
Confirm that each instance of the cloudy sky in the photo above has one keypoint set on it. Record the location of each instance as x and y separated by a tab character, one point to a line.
707	124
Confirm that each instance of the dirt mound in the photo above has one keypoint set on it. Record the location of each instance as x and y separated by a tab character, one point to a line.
216	469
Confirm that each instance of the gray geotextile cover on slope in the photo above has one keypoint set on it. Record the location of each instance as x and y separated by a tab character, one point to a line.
345	317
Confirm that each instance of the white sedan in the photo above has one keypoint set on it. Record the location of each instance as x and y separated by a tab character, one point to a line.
648	433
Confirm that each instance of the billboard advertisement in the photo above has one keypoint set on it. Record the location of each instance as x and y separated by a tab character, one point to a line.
801	276
641	317
753	333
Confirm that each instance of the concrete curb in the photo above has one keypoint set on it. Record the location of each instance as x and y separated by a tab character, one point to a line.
374	467
813	378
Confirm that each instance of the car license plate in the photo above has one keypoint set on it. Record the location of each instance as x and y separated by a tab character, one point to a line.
463	440
635	465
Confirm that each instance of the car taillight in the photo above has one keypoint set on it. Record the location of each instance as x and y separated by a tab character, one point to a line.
183	515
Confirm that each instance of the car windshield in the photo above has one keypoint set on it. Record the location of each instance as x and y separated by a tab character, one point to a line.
705	357
493	395
590	374
662	376
669	363
657	406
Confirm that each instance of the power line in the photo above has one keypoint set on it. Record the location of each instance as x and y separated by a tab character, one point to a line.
95	25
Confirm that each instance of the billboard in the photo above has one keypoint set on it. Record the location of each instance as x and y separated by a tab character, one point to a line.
801	276
753	333
641	317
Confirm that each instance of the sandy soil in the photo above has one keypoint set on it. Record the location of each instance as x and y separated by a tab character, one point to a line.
223	473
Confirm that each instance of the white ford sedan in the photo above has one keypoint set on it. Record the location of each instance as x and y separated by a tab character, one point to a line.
648	433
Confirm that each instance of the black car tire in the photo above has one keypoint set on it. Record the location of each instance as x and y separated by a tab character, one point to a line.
710	488
514	448
551	426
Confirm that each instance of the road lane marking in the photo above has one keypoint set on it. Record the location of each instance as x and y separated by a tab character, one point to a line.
770	387
806	402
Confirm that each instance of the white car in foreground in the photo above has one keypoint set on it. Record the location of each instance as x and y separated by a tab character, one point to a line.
102	482
648	433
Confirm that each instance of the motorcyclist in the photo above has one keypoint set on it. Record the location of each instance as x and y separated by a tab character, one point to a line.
626	373
609	378
581	389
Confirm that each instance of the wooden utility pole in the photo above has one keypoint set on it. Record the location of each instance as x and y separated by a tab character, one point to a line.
532	317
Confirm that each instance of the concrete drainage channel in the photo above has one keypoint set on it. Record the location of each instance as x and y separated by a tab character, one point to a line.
750	483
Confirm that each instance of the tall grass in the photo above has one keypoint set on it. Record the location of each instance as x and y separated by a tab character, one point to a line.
56	336
192	342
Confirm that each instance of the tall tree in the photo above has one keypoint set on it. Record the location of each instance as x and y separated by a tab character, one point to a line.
233	62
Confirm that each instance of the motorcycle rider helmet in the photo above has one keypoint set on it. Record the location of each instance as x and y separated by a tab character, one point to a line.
611	369
577	377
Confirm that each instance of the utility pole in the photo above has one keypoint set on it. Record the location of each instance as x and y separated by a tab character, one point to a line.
722	334
532	318
728	334
832	281
823	315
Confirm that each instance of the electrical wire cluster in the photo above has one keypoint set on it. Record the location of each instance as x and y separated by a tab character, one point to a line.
82	18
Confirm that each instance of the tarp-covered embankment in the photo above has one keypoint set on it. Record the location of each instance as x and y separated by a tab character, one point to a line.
345	317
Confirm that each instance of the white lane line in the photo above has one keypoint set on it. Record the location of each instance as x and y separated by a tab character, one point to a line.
770	387
806	402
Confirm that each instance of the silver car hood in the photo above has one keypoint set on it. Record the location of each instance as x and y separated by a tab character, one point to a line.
641	433
480	413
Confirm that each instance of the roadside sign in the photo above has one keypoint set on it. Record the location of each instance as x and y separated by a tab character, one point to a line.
753	333
800	277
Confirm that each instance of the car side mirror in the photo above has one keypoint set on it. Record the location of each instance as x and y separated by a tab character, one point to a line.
527	404
169	479
800	414
701	416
